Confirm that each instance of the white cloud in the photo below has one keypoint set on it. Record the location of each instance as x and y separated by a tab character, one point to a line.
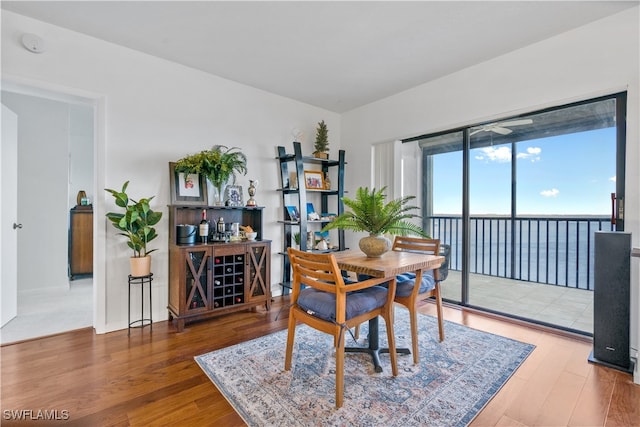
493	154
533	153
550	193
613	179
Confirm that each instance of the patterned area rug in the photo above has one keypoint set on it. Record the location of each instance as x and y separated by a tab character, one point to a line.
453	381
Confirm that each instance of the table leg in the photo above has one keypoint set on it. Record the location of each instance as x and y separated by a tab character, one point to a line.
374	346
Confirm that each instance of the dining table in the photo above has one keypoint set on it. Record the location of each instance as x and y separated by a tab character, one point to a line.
389	265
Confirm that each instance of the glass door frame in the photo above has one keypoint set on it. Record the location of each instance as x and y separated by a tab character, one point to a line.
428	181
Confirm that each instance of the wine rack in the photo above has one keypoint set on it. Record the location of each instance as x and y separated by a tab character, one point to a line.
214	278
228	282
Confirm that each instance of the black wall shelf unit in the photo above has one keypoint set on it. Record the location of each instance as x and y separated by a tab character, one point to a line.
294	193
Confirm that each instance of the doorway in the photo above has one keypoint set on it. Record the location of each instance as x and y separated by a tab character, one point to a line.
55	161
519	200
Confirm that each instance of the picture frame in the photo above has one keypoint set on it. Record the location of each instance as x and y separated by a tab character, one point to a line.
187	189
310	208
293	213
314	180
233	195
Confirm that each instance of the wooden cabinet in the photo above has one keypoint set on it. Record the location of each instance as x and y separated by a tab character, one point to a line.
80	242
295	194
214	278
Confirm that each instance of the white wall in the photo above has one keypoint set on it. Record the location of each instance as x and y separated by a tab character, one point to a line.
80	152
597	59
149	112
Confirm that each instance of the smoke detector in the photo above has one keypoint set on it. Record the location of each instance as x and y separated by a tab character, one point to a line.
33	43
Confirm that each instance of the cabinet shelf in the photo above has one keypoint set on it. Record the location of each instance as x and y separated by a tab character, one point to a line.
292	169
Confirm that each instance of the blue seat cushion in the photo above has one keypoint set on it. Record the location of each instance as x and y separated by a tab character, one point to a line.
406	281
323	304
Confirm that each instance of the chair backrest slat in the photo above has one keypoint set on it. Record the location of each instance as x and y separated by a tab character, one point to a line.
420	245
319	271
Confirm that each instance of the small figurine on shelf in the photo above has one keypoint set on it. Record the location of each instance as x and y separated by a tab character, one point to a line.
327	182
309	240
322	245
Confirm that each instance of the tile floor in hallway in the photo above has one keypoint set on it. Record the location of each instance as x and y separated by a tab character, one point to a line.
50	311
566	307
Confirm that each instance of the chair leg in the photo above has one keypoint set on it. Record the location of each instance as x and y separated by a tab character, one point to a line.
414	333
356	332
340	370
439	309
290	338
392	344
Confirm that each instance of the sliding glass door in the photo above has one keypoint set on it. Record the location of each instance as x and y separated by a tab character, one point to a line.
519	201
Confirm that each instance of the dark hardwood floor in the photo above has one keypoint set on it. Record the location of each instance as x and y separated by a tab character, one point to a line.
151	378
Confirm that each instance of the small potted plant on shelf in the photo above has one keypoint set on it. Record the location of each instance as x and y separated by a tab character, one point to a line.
370	213
219	164
136	224
322	141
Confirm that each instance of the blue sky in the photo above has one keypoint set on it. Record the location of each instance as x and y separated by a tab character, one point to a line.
562	175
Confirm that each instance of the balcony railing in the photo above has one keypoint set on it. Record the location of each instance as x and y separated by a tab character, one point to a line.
555	250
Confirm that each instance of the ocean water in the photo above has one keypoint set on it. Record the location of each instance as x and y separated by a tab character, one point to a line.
556	250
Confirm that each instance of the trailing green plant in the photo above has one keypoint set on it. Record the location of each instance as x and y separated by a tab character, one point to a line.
322	140
219	164
136	222
370	213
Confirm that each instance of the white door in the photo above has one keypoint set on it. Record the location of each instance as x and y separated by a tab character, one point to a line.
9	216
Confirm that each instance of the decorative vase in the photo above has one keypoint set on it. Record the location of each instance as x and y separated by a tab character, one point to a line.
252	192
219	196
81	195
375	245
140	266
320	155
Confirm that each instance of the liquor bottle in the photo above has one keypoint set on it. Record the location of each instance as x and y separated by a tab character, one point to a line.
204	226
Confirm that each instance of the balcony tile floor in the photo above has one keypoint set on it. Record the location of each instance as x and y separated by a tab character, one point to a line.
557	305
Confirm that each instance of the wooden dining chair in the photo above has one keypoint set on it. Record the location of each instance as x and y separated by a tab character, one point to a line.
321	299
408	294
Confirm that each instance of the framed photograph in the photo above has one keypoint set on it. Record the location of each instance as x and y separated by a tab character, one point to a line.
313	180
293	213
187	189
233	195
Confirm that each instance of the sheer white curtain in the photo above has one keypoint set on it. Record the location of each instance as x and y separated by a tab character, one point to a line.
386	167
397	166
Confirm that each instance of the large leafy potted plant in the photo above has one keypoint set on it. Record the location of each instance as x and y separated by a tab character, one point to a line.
136	224
370	213
219	164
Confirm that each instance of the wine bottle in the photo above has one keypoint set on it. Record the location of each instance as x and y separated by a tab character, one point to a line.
204	226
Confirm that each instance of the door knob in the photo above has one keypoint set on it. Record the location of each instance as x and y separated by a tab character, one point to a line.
16	225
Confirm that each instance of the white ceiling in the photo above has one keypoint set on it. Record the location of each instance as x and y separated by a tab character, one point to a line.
335	55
